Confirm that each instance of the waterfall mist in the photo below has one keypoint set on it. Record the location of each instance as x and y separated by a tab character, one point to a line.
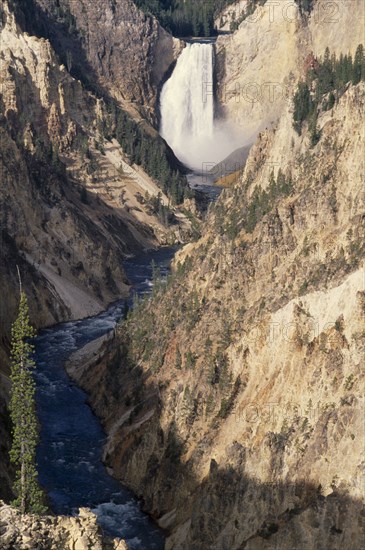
187	111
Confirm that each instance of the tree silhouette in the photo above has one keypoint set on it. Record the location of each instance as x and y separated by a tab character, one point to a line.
23	413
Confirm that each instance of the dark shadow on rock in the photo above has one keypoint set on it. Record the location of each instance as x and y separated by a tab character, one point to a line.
228	509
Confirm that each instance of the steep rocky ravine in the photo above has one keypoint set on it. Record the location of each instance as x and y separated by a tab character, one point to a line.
73	204
240	419
233	400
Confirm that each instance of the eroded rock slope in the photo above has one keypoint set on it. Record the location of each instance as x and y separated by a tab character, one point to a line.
73	205
234	398
258	63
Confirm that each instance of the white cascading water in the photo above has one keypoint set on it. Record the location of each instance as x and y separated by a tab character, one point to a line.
187	105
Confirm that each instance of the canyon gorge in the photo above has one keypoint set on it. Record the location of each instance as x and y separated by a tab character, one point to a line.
230	389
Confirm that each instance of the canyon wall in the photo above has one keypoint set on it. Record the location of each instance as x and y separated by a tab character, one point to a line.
258	65
73	206
233	400
111	45
239	421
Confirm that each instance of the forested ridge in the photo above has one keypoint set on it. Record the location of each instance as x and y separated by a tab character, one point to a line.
197	17
152	153
325	83
185	17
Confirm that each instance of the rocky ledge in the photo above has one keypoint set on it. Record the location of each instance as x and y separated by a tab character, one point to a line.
31	532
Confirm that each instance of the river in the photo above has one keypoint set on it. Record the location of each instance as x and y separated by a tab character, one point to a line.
72	438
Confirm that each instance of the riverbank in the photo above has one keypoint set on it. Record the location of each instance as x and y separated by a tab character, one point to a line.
88	356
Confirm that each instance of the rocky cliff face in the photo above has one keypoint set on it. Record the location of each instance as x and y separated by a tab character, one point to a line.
257	64
240	419
73	206
54	533
112	45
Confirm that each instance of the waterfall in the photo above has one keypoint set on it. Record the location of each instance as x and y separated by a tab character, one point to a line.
187	105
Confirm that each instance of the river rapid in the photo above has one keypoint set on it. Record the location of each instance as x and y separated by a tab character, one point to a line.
72	438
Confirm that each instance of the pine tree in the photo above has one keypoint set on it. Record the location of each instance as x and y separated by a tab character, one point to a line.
178	360
359	65
326	75
302	105
23	413
331	101
315	134
126	310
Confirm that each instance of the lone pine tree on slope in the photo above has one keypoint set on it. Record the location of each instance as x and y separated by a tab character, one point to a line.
23	413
